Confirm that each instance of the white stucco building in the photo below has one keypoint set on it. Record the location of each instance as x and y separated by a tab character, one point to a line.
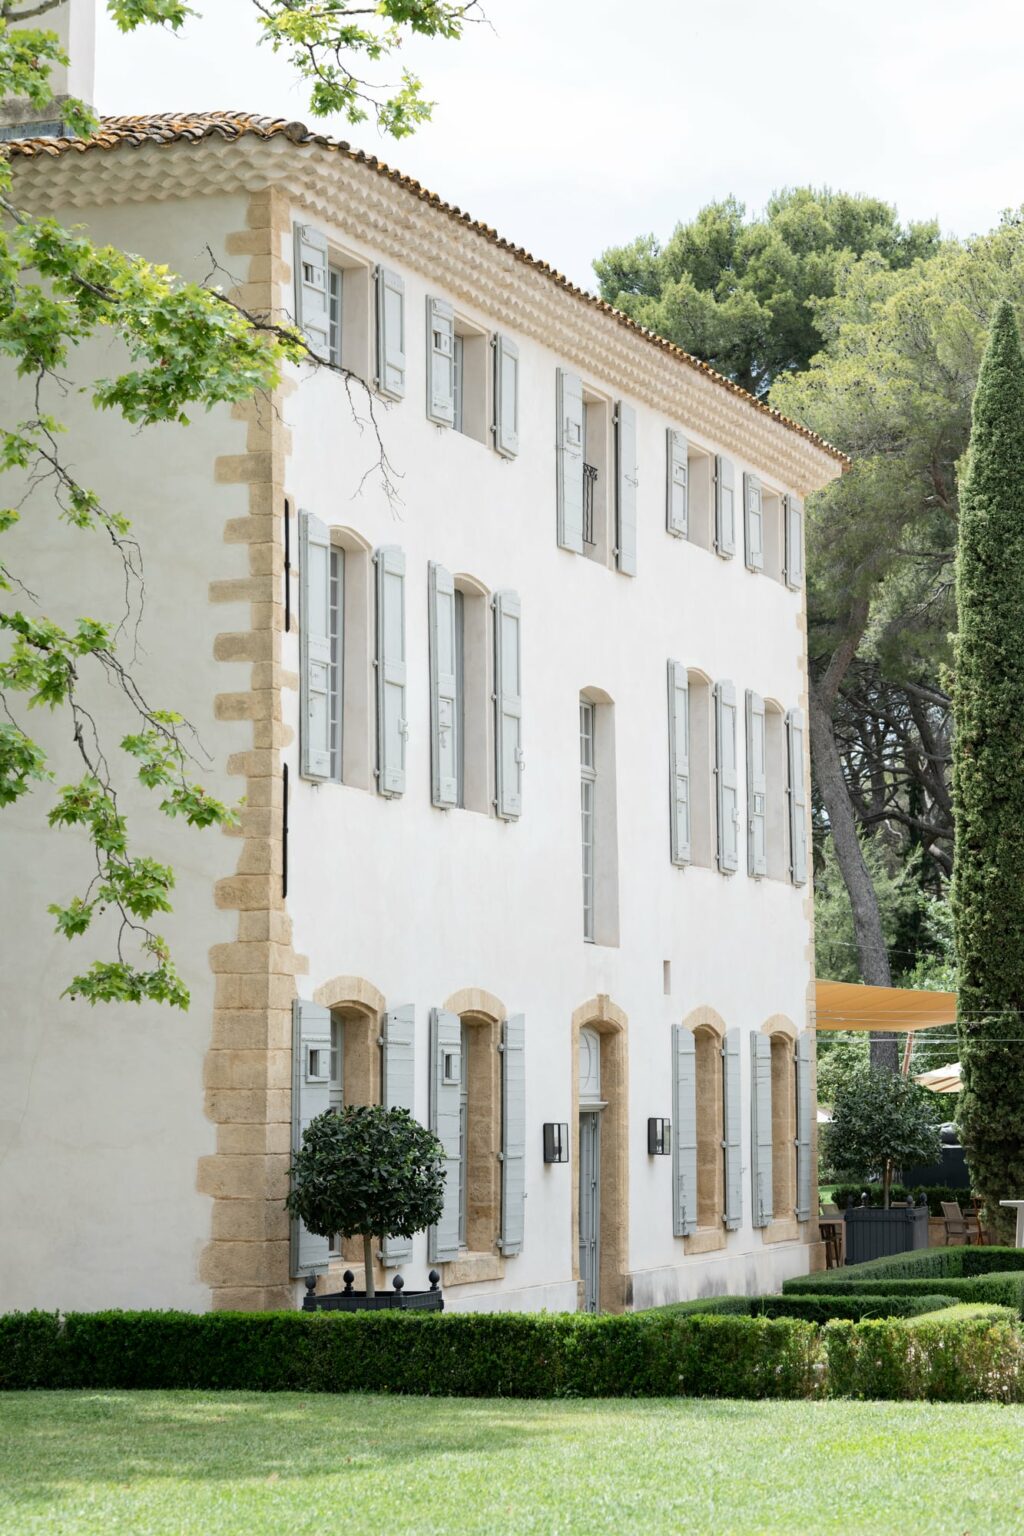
525	829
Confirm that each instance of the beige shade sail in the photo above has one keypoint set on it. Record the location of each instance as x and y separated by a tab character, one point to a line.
941	1079
848	1005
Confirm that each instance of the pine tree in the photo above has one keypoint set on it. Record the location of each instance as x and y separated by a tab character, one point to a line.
988	776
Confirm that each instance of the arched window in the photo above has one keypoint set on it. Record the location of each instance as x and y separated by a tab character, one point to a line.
783	1128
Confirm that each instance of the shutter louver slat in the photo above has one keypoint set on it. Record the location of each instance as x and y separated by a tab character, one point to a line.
725	507
797	798
444	715
761	1150
625	488
311	1096
684	1131
753	523
314	648
506	397
757	787
508	706
440	362
392	727
804	1113
311	305
679	763
398	1062
726	778
569	459
446	1067
732	1104
677	491
390	334
793	514
513	1135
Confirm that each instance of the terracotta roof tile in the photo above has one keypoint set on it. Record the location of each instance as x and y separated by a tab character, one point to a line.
173	127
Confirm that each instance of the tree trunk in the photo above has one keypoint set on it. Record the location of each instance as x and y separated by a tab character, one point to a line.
867	920
371	1289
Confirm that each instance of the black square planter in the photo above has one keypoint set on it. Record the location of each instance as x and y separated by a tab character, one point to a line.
397	1299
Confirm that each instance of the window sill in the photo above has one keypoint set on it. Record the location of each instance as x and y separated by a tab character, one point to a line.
471	1267
783	1230
705	1240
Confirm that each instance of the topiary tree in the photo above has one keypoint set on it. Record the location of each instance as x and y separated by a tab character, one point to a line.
367	1171
880	1120
988	786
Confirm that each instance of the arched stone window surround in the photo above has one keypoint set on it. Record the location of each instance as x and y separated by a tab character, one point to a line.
784	1225
611	1024
482	1014
708	1028
358	1006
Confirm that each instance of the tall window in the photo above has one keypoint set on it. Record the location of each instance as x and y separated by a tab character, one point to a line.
710	1165
588	792
334	286
336	619
459	381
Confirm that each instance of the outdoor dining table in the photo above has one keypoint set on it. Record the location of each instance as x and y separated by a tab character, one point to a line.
1017	1205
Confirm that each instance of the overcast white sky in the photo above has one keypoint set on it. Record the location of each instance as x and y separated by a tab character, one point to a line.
571	125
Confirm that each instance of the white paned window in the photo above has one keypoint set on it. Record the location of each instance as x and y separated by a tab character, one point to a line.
334	286
336	619
588	791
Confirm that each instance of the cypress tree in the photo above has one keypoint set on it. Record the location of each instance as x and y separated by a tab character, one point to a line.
988	776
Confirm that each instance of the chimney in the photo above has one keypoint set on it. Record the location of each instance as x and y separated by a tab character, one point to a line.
74	22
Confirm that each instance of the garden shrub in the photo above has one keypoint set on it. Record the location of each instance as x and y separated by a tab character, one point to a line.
968	1361
933	1193
822	1309
963	1311
464	1355
923	1263
1004	1290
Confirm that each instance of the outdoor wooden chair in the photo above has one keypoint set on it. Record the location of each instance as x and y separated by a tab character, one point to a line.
957	1231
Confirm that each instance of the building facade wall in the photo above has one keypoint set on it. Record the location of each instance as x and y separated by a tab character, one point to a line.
389	901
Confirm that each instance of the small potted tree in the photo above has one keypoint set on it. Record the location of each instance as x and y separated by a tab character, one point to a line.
880	1121
372	1173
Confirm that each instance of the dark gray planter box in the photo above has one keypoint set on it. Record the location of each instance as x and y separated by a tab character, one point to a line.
872	1233
397	1299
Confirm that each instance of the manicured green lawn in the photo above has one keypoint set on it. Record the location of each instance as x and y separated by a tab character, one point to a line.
205	1464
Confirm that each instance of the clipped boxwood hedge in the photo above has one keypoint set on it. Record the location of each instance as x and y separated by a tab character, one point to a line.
924	1263
1003	1290
933	1193
815	1308
460	1354
966	1361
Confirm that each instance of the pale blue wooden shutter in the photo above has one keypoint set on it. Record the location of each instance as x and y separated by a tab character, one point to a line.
793	515
398	1043
761	1128
311	1096
757	787
445	1093
625	488
684	1131
508	705
753	523
725	507
440	362
677	496
392	728
679	763
797	798
506	397
732	1140
311	312
513	1134
805	1108
390	333
569	459
727	778
444	715
314	648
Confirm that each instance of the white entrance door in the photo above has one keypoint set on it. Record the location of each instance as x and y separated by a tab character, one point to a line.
590	1207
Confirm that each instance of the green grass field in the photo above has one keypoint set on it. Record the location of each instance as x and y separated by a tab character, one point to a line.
205	1464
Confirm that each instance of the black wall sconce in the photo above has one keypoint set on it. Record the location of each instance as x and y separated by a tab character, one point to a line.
556	1142
659	1137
